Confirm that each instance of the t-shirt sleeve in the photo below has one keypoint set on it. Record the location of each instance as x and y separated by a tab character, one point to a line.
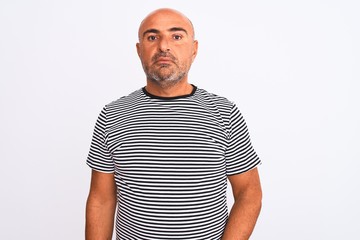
99	157
240	154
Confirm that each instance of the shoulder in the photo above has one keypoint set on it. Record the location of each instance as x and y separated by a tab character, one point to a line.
121	105
214	98
124	101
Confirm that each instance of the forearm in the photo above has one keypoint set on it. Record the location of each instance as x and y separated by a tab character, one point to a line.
99	219
242	218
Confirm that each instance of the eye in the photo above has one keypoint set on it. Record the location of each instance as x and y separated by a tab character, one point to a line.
152	38
177	37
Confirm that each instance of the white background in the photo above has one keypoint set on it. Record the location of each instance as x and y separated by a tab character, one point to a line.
291	66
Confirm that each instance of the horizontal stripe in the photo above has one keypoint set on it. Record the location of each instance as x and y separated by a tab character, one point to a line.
171	158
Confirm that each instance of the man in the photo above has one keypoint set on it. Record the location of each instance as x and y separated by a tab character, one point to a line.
163	153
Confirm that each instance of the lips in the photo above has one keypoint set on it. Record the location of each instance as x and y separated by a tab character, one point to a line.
164	60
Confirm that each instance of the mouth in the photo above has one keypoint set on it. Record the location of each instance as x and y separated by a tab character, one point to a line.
163	60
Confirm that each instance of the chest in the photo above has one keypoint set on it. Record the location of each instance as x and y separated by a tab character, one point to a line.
166	139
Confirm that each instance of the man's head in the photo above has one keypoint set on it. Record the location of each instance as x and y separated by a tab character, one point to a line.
166	46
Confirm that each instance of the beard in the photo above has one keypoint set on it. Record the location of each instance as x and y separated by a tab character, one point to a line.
165	75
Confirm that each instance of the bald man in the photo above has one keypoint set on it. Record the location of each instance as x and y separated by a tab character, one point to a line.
161	156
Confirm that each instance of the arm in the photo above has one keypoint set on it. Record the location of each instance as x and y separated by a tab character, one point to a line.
247	204
100	207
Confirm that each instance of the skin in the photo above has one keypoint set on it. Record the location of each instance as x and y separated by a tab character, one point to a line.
247	194
167	49
100	207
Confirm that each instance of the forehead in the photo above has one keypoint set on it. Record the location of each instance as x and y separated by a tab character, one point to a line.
164	21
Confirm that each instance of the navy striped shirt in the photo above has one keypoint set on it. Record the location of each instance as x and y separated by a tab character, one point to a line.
171	158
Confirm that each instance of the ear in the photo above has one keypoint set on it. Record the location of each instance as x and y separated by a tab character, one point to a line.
195	50
138	49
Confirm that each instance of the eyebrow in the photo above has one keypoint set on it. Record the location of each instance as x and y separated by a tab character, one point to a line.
173	29
176	29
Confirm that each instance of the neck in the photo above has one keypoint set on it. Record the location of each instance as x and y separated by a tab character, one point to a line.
178	89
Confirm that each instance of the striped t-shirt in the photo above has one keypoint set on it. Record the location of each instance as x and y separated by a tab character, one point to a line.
171	158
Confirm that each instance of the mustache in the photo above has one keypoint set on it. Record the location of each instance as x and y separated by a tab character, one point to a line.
163	54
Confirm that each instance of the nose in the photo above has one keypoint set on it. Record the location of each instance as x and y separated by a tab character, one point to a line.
164	45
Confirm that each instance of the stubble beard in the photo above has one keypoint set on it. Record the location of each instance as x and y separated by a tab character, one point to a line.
165	75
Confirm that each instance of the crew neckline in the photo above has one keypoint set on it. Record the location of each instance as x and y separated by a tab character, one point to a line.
170	98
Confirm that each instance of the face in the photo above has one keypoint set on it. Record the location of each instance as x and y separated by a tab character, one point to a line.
166	47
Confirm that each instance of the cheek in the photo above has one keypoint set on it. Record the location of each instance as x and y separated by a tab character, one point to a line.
187	54
144	57
146	54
